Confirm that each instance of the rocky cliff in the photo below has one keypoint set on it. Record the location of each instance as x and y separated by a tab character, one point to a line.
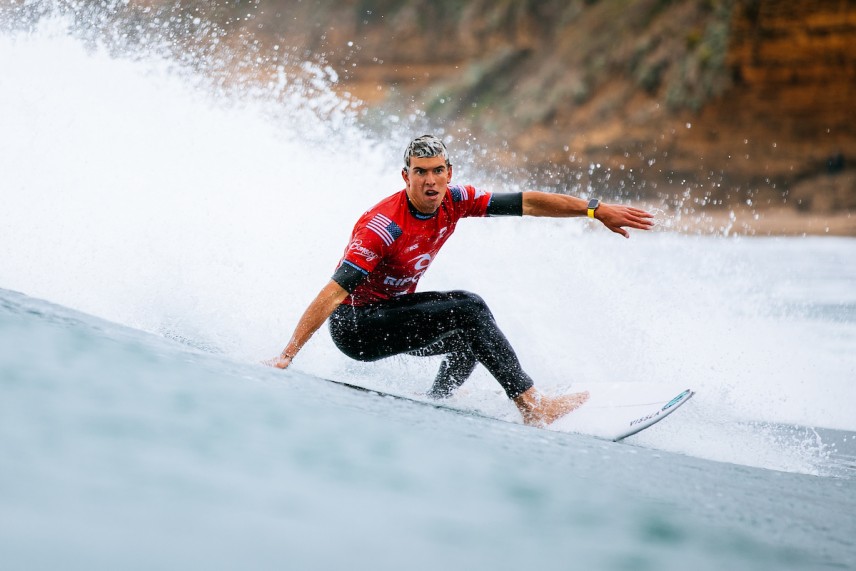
715	101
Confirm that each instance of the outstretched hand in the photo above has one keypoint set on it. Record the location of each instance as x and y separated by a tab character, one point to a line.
617	218
280	362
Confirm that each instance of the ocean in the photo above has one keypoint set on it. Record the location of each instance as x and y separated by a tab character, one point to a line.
160	234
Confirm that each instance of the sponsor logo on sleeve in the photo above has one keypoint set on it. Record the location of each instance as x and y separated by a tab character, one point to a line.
358	249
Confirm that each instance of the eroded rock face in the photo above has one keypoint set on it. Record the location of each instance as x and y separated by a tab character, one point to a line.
796	59
792	101
731	99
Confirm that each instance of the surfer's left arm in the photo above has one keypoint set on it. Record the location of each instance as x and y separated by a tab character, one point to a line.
616	217
327	300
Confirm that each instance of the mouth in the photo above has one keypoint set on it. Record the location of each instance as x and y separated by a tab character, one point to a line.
431	193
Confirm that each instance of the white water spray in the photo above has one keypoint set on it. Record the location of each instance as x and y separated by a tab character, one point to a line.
132	192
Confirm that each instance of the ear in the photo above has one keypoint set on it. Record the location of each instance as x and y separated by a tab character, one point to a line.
405	175
450	172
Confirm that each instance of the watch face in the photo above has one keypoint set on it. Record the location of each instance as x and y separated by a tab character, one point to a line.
594	203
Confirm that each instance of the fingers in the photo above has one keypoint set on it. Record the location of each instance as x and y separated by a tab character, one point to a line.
620	217
617	218
639	212
639	223
636	222
279	362
620	230
637	218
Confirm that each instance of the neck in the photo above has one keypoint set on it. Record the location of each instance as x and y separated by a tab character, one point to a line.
416	212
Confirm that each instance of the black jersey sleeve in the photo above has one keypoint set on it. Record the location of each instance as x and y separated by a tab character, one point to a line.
349	276
506	204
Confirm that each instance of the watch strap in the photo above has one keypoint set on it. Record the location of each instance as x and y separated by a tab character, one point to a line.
593	204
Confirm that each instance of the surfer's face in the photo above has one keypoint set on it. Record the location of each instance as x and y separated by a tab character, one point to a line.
427	182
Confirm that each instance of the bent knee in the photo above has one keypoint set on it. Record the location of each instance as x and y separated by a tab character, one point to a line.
467	297
471	305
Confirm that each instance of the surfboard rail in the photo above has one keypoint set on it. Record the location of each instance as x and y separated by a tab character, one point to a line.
607	419
648	419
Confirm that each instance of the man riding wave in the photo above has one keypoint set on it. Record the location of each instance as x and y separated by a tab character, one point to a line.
371	299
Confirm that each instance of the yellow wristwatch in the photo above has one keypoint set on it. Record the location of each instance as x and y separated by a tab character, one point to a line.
592	206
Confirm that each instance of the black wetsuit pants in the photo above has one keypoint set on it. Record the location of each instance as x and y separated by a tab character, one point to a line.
457	324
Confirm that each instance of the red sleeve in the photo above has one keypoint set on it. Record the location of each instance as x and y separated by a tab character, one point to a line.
366	248
471	200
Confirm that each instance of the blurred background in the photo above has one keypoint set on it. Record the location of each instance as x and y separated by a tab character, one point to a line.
721	108
178	179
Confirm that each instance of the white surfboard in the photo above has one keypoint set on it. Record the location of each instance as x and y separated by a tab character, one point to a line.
614	412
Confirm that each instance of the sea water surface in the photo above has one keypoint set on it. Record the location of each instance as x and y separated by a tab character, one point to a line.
159	238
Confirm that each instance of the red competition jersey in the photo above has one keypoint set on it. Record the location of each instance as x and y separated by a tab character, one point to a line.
393	245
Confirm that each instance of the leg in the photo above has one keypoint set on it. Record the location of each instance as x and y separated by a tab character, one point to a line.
457	366
416	322
454	370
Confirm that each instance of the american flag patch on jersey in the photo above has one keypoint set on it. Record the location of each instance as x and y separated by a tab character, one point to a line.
458	193
385	228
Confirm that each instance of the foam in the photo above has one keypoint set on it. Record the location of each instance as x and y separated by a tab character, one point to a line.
133	193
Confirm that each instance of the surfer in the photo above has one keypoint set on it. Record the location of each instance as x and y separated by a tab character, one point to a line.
371	302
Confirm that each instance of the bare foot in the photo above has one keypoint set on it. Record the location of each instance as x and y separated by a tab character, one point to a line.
541	410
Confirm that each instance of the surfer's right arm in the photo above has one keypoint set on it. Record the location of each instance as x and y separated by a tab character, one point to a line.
327	300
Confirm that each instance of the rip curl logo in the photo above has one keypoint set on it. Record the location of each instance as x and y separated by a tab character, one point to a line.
400	282
420	264
422	261
357	247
